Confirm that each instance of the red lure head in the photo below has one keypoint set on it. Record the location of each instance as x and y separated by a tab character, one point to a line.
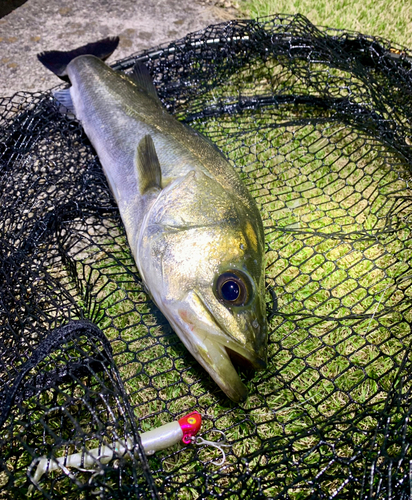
190	425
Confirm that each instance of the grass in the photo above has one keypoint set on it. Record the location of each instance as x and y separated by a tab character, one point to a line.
390	20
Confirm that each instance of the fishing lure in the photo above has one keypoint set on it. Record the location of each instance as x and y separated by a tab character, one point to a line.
162	437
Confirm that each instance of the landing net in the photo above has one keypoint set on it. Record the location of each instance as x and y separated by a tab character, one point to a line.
318	124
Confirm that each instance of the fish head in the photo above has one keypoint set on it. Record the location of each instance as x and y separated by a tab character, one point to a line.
206	274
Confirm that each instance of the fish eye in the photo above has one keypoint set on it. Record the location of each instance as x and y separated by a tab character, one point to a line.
231	289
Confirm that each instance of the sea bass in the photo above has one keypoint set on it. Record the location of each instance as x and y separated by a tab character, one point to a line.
193	228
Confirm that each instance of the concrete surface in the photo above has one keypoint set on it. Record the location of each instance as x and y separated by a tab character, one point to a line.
40	25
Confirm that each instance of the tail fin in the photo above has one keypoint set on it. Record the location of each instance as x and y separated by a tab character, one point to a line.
57	61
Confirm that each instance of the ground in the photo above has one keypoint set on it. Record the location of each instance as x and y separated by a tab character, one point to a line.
39	25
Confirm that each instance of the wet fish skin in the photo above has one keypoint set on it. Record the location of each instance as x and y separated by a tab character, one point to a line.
188	217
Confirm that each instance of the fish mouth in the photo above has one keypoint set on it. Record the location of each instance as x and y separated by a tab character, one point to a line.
242	361
215	348
218	352
220	359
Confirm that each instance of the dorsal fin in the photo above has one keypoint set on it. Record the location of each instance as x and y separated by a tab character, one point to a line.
141	76
57	61
148	166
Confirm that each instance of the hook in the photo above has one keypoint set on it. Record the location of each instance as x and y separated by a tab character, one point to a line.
199	441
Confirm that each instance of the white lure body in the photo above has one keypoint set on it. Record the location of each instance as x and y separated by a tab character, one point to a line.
157	439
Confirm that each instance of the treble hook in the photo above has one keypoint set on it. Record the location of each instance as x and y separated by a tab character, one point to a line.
199	441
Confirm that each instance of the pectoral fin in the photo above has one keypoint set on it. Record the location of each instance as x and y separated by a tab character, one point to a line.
64	98
148	166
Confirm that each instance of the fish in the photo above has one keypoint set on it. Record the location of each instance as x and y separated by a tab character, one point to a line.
194	230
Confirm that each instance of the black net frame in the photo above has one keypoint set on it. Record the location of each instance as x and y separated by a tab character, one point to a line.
318	124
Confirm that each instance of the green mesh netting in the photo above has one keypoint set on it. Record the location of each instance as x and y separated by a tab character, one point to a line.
318	124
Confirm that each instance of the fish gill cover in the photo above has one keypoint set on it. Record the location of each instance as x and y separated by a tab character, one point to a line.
318	124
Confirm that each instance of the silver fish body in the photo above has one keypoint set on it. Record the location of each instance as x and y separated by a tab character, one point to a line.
194	230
